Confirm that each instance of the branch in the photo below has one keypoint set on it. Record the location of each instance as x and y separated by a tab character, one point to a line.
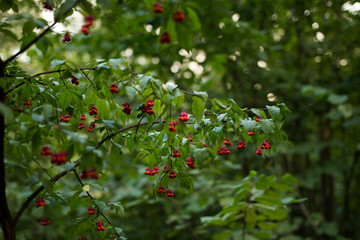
34	194
93	200
28	45
65	172
43	73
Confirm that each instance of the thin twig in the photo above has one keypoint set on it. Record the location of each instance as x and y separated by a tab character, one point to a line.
93	200
87	77
44	73
306	211
29	44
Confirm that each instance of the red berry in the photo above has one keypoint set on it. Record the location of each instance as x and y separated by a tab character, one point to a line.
165	38
166	169
184	117
45	151
93	110
83	117
100	226
45	222
58	158
251	133
66	38
169	193
127	109
172	174
150	103
172	125
158	8
161	190
91	211
265	145
176	153
40	202
179	16
85	30
27	103
258	151
241	145
227	142
114	88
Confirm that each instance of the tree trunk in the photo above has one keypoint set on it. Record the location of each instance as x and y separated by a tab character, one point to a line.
5	216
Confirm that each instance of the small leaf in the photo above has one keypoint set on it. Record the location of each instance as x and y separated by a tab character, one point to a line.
55	63
198	108
130	91
248	124
267	125
337	99
203	95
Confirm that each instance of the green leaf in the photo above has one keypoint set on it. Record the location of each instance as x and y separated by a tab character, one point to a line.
130	91
200	154
198	108
273	111
64	99
267	225
248	124
37	117
55	63
64	10
115	63
222	235
203	95
289	179
109	124
194	19
267	125
337	99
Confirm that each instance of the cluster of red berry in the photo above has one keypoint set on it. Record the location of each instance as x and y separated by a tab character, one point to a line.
93	111
27	103
67	39
90	174
65	118
148	107
176	153
56	158
89	22
40	202
190	163
45	222
241	145
127	108
83	238
172	125
100	226
183	117
162	190
91	211
114	88
172	174
258	118
153	171
223	150
74	80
